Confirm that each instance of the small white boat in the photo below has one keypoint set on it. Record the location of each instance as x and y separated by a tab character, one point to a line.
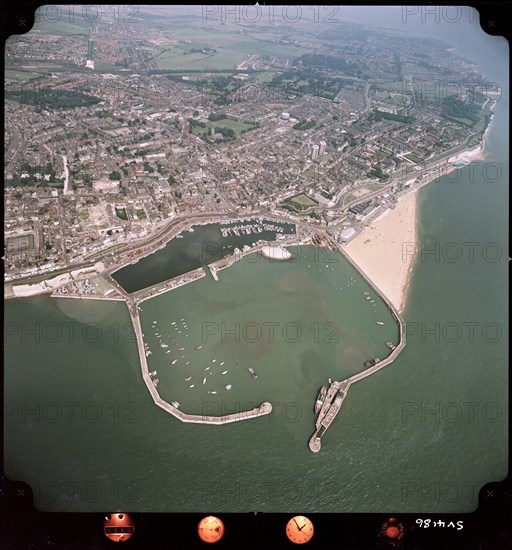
228	386
175	404
174	362
224	372
204	380
188	378
173	323
379	322
222	363
214	392
187	362
213	360
191	386
207	368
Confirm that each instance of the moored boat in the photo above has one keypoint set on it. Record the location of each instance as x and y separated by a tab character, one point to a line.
320	398
253	374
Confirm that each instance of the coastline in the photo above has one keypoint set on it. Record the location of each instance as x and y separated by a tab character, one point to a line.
379	249
386	249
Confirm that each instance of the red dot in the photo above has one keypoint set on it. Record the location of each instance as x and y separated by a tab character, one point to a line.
392	532
391	520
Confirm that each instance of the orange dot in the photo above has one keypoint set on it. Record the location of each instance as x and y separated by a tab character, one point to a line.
392	532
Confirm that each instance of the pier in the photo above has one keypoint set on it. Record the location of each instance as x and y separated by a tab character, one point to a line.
338	390
263	409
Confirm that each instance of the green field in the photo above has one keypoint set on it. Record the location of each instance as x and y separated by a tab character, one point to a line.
412	69
62	26
310	174
303	200
231	49
235	125
413	158
21	75
400	98
121	213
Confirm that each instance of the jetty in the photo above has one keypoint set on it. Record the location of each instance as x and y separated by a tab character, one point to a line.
337	392
263	409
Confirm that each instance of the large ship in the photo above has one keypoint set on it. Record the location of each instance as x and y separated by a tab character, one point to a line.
320	399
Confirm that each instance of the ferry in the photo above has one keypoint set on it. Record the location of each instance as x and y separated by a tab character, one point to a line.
253	374
228	386
174	362
371	362
175	404
320	399
188	378
379	322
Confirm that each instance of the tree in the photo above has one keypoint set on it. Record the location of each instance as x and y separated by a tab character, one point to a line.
114	175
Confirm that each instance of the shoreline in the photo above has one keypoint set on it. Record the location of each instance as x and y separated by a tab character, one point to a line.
391	239
382	245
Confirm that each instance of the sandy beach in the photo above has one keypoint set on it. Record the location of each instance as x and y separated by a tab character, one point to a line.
385	250
380	249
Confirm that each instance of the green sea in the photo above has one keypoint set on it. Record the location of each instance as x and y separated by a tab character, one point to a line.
423	434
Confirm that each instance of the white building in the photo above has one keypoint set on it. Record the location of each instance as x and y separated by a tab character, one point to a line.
322	147
314	154
346	234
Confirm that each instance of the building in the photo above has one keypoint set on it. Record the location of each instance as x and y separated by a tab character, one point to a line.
314	153
322	148
285	116
346	234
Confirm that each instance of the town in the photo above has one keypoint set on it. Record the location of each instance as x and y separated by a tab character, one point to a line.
112	133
